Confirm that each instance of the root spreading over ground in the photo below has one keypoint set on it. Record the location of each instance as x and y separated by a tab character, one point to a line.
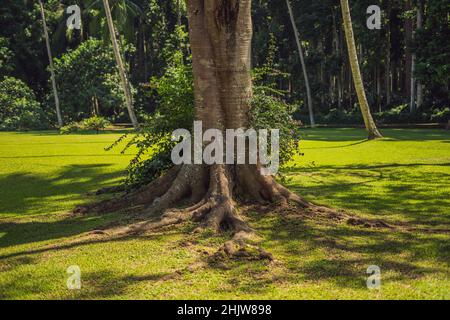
217	197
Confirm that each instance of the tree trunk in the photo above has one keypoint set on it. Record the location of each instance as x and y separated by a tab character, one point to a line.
52	69
420	14
178	13
302	61
337	52
220	34
412	102
120	66
378	86
408	26
359	86
387	75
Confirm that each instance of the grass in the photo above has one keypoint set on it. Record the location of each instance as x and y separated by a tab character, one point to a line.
404	178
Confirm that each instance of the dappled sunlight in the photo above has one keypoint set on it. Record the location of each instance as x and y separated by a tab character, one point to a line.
406	181
395	180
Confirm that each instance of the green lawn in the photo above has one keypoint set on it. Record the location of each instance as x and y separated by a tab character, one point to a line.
404	178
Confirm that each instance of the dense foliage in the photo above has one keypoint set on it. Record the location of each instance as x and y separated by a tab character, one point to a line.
19	109
153	28
88	82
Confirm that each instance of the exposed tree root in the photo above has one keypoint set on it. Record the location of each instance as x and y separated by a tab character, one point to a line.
213	198
212	193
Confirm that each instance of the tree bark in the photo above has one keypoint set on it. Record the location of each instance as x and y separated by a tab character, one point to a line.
120	66
52	68
302	61
220	34
359	86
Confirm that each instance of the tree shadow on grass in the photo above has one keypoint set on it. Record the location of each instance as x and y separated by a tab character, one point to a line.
419	197
346	252
311	252
23	194
18	233
341	254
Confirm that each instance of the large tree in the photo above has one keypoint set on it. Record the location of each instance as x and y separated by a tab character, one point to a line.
220	38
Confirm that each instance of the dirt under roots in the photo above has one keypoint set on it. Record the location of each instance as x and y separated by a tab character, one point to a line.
213	197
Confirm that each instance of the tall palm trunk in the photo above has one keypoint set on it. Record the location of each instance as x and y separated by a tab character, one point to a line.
302	60
359	86
52	69
120	66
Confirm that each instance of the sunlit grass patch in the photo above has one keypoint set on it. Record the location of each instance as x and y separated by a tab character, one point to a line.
402	178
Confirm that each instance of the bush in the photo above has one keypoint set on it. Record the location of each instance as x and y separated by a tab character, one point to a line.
269	112
86	77
19	109
95	123
440	115
397	115
174	94
69	128
337	116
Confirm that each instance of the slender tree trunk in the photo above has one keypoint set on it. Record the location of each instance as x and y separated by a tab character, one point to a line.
179	13
337	52
420	14
388	77
408	78
359	86
302	61
378	86
52	69
120	66
412	102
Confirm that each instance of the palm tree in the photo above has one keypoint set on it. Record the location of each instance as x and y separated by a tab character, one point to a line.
52	69
123	12
302	60
120	66
359	86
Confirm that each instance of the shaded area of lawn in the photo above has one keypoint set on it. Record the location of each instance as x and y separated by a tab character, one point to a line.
405	177
26	192
45	172
313	260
